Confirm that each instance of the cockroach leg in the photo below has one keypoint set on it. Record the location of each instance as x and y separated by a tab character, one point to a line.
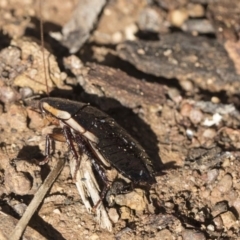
65	136
48	144
69	139
107	185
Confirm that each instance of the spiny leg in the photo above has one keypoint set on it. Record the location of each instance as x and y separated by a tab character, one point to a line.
65	136
69	139
107	183
48	143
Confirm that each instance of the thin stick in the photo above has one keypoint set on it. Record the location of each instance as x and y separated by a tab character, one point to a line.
38	197
42	45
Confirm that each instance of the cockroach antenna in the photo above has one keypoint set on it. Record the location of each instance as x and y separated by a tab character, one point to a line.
42	45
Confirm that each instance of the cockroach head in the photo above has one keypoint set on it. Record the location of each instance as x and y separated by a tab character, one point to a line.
33	104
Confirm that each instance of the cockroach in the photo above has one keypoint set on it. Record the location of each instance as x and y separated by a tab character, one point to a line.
97	135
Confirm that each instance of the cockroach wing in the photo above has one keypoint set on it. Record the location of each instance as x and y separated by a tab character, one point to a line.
116	145
111	141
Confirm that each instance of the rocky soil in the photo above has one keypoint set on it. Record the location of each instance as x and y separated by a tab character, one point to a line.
167	71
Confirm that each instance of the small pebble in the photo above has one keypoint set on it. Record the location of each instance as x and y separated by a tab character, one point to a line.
215	100
26	92
196	26
126	213
177	17
211	228
191	234
225	184
195	10
57	211
187	85
206	193
218	222
117	37
236	205
165	234
175	95
149	20
214	120
185	109
226	163
94	237
189	133
209	133
196	116
135	200
17	182
20	208
8	95
113	215
228	219
169	205
130	32
212	175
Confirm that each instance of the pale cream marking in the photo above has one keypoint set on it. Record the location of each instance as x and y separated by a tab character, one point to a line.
73	124
55	112
62	115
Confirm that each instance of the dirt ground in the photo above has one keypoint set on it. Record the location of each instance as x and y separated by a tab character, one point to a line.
167	71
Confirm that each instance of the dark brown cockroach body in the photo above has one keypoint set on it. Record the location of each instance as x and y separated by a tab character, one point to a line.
98	136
